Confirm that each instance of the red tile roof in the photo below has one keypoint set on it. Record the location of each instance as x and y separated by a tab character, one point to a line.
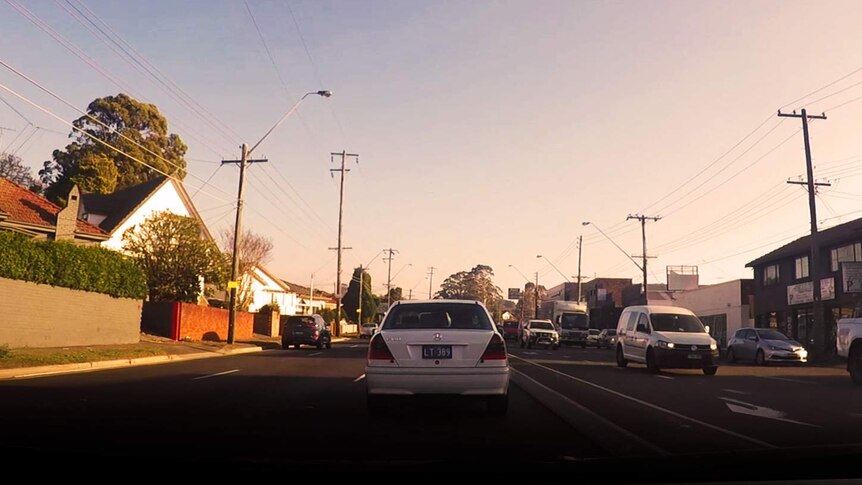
26	207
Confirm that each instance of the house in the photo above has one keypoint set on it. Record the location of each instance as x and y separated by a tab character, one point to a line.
308	305
28	213
784	291
266	289
116	212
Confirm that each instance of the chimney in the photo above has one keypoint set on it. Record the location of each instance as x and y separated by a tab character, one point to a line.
67	218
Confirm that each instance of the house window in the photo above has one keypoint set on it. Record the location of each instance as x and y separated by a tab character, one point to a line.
850	252
770	275
802	267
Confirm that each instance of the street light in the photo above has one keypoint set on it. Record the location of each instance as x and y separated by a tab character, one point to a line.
553	266
519	272
237	230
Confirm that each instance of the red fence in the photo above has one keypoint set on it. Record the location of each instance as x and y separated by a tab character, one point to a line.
181	321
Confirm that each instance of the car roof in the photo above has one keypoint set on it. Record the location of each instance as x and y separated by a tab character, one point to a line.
418	302
676	310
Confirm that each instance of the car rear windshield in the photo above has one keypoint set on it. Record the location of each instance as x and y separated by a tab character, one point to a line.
296	321
468	316
542	325
771	335
574	320
673	322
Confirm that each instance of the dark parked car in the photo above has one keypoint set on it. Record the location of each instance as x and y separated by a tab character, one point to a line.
307	330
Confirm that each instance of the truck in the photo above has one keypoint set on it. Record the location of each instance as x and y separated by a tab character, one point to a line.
849	344
571	319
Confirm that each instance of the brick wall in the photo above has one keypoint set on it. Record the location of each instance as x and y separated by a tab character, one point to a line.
199	322
33	315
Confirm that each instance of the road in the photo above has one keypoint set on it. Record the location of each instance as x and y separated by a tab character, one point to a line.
285	407
743	409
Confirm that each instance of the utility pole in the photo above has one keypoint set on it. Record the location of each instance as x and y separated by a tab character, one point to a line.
536	293
361	284
311	296
410	294
344	155
430	280
643	220
819	334
580	248
389	276
244	162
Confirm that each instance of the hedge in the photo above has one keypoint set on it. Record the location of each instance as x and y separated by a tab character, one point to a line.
60	263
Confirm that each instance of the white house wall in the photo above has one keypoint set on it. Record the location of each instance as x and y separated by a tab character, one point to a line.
723	298
268	291
165	198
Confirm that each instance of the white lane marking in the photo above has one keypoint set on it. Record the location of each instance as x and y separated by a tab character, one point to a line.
216	375
595	416
734	391
527	352
742	407
359	378
354	346
657	408
664	377
316	353
785	379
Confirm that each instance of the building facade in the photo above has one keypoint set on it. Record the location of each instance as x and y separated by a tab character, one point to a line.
783	286
724	307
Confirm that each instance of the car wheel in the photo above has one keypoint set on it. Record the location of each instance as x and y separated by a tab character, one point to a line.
498	405
522	343
710	371
621	360
760	358
854	365
529	344
320	345
650	362
296	346
730	356
328	345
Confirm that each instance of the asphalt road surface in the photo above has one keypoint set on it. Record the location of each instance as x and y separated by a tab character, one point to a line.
285	407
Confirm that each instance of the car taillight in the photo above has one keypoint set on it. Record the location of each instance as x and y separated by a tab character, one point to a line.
496	349
378	350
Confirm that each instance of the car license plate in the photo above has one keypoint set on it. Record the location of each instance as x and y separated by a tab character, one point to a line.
693	356
436	351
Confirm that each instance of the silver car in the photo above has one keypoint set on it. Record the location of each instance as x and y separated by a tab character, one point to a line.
764	345
608	338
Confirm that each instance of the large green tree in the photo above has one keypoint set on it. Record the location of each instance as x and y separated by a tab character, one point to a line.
476	284
351	298
12	168
175	257
136	129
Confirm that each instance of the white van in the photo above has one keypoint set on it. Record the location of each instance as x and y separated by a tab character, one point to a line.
665	337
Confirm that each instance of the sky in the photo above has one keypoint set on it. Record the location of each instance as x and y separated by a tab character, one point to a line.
487	132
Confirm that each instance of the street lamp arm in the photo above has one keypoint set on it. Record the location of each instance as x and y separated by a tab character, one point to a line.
555	267
615	244
519	272
289	112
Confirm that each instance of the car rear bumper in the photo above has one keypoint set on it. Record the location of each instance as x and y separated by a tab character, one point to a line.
685	359
484	381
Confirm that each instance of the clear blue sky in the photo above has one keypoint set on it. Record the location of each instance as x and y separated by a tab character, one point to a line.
487	131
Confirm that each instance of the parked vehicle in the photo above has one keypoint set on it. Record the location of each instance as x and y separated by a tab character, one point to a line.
763	345
305	330
593	337
367	330
511	330
849	345
608	338
438	347
571	320
665	337
540	332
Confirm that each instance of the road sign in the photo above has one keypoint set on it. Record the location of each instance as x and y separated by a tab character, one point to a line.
514	293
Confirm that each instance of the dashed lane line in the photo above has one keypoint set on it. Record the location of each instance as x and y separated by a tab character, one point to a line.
216	375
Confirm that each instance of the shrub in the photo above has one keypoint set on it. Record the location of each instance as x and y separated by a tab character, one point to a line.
269	308
4	351
68	265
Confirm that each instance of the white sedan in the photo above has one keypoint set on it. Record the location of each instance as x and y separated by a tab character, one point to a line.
446	347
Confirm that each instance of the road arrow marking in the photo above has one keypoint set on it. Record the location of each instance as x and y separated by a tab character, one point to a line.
741	407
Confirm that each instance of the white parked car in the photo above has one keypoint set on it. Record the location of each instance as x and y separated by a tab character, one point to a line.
367	330
665	336
438	347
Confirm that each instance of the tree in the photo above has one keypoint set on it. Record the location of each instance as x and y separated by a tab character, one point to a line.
351	298
395	294
12	168
254	250
476	284
137	129
175	257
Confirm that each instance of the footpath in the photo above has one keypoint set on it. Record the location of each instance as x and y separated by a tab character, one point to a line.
25	363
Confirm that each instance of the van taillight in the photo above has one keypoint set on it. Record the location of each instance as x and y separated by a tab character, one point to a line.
496	349
378	350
